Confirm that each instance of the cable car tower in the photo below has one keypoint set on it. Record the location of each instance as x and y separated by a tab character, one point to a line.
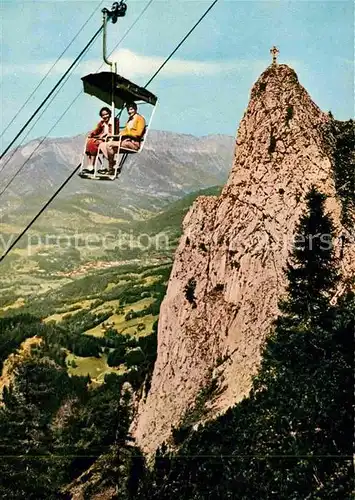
117	92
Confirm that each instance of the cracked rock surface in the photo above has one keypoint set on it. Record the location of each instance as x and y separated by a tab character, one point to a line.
232	255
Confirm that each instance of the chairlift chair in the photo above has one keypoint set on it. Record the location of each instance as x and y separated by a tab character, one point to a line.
117	91
102	85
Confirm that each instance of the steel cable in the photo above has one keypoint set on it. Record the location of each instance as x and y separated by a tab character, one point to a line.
50	69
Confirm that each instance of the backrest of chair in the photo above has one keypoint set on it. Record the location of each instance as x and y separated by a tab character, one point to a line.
145	131
141	140
143	135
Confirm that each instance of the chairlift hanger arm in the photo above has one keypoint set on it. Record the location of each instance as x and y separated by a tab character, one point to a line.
118	9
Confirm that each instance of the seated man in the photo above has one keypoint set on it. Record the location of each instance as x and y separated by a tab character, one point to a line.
131	136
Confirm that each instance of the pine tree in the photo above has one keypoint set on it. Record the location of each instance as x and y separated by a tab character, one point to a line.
312	275
26	438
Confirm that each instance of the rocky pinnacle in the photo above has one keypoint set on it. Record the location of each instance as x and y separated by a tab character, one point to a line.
228	273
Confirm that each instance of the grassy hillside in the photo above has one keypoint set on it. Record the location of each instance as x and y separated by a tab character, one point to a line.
75	238
111	283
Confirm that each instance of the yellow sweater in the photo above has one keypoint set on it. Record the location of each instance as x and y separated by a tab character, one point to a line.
134	127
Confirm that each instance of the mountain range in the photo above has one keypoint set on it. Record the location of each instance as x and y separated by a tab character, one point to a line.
170	166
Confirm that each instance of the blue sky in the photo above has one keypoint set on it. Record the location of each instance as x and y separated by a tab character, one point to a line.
204	89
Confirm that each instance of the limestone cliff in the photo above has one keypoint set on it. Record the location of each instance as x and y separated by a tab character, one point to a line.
228	273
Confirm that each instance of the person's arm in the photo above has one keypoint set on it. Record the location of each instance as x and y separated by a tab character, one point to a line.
97	131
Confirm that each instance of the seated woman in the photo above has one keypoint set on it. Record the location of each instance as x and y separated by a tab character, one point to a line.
130	136
98	135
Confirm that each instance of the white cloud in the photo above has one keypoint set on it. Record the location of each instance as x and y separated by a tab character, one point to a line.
132	65
41	68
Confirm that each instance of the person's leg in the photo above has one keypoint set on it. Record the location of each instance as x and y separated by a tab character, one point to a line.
111	148
103	149
92	146
130	144
91	159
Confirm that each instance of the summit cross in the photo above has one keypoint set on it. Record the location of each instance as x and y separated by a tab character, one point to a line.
274	52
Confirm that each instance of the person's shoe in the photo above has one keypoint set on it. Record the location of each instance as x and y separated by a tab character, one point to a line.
88	171
102	171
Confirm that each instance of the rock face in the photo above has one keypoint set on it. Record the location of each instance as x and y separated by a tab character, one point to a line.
228	273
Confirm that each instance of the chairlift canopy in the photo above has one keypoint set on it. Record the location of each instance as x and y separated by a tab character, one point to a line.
101	85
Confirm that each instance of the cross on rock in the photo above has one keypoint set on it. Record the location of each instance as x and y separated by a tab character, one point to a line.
274	52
